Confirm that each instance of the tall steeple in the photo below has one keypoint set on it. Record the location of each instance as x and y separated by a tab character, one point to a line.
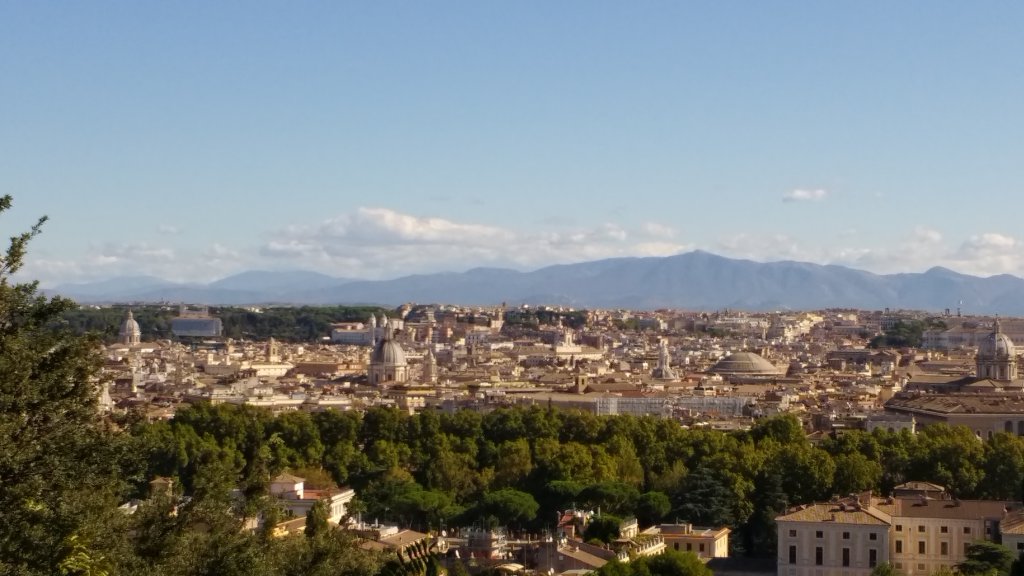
430	367
371	331
664	370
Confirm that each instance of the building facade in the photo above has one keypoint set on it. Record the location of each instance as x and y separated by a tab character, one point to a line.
917	533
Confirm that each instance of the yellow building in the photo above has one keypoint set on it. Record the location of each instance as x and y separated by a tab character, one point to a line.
919	531
704	542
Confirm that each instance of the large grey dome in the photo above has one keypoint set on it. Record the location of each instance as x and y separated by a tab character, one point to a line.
996	345
388	353
745	363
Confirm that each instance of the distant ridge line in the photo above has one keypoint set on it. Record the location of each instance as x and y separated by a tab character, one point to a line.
695	280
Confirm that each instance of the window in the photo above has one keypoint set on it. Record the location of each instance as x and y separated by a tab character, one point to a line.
846	556
899	546
899	527
944	529
872	558
792	554
792	533
920	528
967	529
966	546
873	536
920	547
701	547
846	535
689	546
819	534
899	565
944	548
920	566
675	545
819	556
1020	545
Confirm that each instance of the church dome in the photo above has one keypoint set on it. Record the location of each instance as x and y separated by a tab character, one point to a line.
745	363
996	345
130	331
388	353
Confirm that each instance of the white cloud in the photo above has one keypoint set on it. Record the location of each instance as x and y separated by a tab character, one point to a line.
919	249
656	230
989	253
927	235
131	252
168	229
762	247
804	195
221	252
380	242
112	260
373	225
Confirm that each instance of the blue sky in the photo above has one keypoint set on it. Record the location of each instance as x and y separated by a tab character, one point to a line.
191	140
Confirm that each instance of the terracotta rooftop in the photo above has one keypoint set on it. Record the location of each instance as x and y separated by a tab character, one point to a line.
837	513
950	509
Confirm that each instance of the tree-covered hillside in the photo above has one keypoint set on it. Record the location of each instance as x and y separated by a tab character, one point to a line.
298	324
517	466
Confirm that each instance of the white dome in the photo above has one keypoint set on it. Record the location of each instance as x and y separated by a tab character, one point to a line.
130	331
996	345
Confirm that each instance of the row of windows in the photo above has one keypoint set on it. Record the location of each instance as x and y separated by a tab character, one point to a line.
846	535
921	547
942	529
899	566
819	556
874	535
689	546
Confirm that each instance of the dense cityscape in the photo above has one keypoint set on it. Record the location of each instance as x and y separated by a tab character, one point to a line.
541	439
463	288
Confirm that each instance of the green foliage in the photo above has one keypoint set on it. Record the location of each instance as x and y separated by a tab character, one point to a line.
508	507
58	461
906	333
604	528
1003	466
291	324
612	497
515	466
784	429
1017	568
652	507
671	563
986	558
884	569
707	498
419	559
317	520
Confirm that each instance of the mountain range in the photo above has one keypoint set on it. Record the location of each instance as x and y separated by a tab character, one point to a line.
695	280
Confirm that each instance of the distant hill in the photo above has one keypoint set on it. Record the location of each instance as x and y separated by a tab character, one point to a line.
694	280
252	287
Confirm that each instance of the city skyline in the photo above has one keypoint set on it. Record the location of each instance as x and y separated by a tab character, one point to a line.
198	141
